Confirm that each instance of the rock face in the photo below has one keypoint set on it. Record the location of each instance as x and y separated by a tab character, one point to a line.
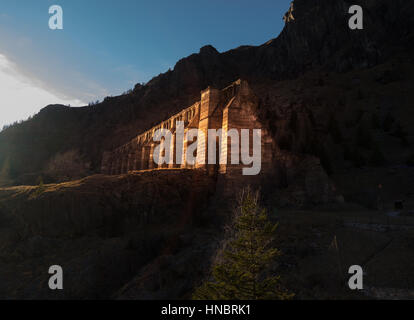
337	107
315	36
307	110
303	182
232	108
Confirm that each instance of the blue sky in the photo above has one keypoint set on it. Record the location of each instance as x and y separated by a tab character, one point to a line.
106	47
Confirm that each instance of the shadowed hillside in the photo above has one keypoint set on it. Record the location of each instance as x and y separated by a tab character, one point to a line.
128	221
338	105
317	39
153	235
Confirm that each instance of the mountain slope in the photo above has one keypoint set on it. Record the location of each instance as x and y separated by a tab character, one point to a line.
317	38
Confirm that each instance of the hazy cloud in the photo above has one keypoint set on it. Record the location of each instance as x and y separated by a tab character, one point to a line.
22	96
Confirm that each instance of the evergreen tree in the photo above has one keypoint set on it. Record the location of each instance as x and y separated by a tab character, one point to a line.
243	270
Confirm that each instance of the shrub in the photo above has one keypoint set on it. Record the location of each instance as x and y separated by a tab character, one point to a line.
40	189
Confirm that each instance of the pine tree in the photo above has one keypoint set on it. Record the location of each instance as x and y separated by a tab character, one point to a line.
243	272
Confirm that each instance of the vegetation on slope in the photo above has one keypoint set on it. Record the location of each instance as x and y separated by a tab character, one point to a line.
241	270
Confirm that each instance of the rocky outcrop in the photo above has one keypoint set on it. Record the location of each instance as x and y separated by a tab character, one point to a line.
303	182
316	37
333	101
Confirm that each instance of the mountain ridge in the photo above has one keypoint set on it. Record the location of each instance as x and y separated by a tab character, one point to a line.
317	39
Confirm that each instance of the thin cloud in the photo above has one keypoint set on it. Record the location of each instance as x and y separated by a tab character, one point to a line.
22	96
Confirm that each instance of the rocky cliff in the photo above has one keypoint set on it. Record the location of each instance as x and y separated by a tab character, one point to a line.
316	37
338	104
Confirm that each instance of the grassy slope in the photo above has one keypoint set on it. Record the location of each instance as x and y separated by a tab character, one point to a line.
101	230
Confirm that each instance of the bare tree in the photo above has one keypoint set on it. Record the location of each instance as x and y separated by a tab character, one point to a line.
66	166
